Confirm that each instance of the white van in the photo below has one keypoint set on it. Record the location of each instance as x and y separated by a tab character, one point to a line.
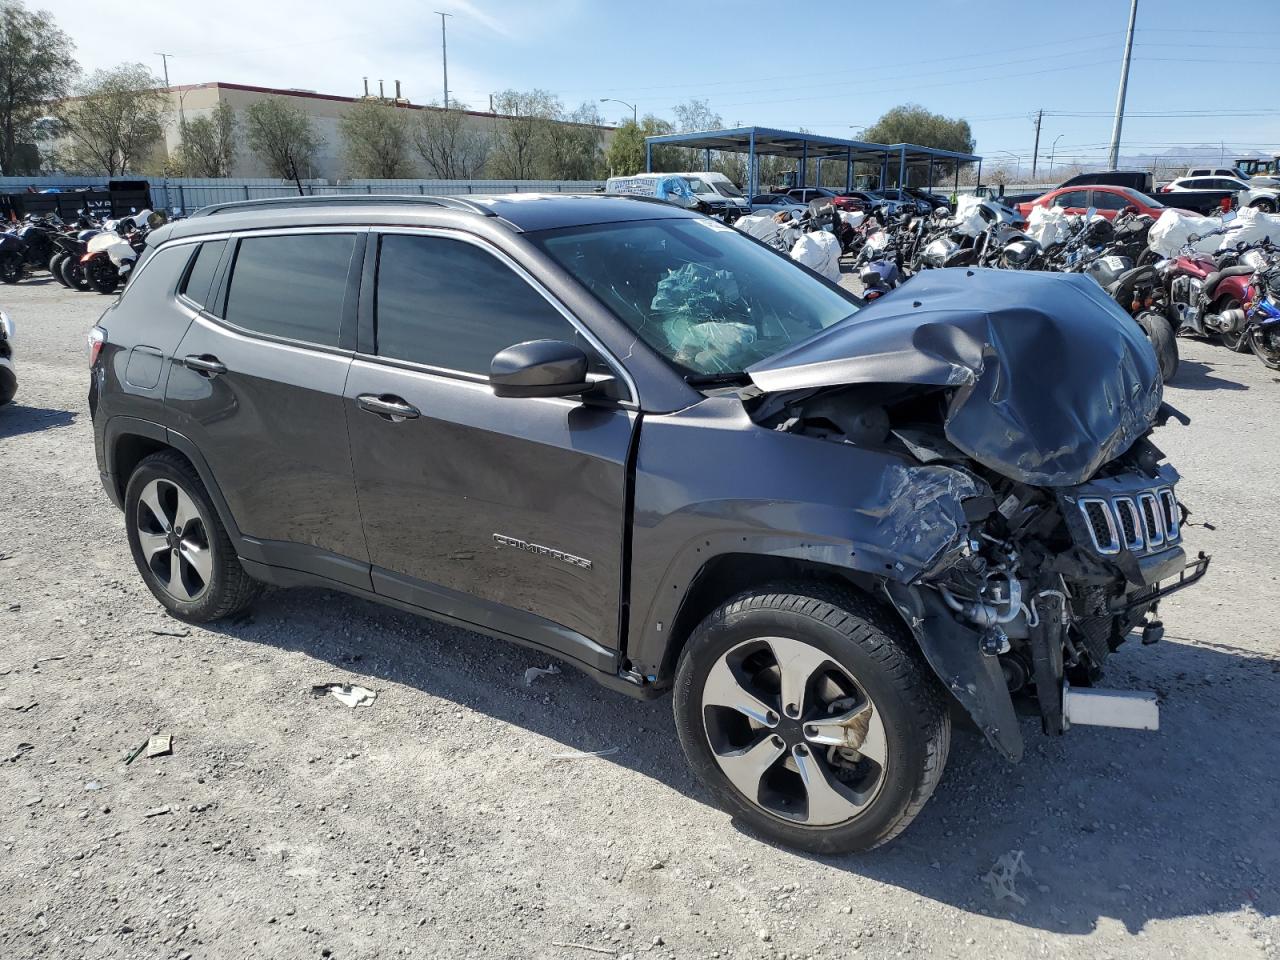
708	184
707	192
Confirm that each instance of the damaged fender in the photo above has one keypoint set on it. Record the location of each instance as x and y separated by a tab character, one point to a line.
971	677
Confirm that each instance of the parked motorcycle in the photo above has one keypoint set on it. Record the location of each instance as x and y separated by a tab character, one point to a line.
1203	299
8	377
1262	316
13	258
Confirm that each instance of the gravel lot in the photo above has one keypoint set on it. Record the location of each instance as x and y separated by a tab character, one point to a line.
440	822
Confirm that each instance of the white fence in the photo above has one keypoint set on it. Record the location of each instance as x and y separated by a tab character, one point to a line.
188	194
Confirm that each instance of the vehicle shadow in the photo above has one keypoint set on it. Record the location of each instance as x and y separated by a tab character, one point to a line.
1198	375
17	419
1114	824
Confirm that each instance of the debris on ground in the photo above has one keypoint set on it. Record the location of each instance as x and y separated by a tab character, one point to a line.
585	946
19	751
161	745
533	673
583	754
164	632
348	693
1004	874
157	812
136	752
22	706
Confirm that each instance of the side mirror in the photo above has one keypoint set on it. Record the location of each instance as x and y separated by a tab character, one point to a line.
539	368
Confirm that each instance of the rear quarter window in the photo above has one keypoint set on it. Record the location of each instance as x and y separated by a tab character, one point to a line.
199	280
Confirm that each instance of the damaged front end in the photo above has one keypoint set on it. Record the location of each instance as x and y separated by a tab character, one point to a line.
1029	524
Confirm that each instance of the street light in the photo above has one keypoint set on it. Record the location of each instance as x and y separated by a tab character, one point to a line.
1052	152
634	115
1017	162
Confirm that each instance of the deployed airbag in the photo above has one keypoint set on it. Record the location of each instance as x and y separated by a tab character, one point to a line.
1052	379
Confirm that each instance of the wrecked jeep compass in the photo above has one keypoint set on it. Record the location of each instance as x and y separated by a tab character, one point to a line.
634	438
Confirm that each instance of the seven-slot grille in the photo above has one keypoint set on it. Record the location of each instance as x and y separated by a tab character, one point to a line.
1138	523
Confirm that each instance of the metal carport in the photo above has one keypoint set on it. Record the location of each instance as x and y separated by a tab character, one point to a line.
803	147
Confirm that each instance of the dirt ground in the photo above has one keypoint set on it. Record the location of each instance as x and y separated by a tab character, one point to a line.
444	820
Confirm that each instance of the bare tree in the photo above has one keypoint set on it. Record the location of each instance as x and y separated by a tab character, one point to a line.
449	143
282	136
573	144
36	68
114	121
209	143
376	140
520	132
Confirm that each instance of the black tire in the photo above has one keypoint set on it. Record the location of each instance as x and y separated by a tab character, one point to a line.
55	267
102	275
1232	341
11	267
73	273
1162	339
1265	345
8	385
1264	206
229	589
868	644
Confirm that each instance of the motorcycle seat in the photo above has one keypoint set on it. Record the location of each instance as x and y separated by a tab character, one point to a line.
1212	280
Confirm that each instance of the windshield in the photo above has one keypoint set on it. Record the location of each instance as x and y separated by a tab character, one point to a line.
706	297
1142	198
728	189
698	186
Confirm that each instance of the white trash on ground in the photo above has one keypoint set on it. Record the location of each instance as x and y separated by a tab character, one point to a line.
347	693
819	251
533	673
1003	876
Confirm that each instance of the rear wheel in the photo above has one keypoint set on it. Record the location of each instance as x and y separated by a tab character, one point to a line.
73	273
55	267
1264	206
1232	339
806	712
1162	339
179	544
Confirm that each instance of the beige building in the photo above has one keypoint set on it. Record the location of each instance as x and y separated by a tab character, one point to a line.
325	110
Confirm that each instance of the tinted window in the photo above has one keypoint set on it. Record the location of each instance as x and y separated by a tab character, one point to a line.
450	304
200	279
1072	198
1225	185
1109	201
291	286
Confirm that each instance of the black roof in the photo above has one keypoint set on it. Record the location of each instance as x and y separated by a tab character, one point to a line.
524	212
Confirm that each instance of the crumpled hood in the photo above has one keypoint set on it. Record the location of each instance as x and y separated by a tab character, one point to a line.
1053	379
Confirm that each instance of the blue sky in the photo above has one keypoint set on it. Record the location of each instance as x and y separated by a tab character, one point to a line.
828	66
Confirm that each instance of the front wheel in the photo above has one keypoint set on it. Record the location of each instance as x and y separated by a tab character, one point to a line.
102	275
1163	341
1265	344
1264	206
73	273
179	544
11	267
806	712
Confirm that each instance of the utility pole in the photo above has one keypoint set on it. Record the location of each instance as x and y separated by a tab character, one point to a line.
1124	83
1035	151
444	55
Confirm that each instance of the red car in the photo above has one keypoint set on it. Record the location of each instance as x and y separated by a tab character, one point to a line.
1108	201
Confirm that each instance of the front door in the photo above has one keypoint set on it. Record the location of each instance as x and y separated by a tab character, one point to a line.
257	383
502	512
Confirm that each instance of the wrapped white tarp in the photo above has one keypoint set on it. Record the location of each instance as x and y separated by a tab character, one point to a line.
819	251
762	226
853	218
1047	225
1251	226
969	219
1174	227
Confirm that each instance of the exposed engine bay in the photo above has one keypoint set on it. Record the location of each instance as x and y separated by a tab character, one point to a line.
1032	521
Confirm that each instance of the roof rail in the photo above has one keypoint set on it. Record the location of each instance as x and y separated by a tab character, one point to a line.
344	200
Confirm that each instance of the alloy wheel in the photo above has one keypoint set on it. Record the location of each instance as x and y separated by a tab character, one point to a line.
174	540
794	731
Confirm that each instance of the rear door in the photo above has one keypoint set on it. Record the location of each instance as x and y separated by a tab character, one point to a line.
501	512
257	385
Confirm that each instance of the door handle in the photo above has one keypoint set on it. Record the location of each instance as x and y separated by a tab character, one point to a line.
208	365
393	408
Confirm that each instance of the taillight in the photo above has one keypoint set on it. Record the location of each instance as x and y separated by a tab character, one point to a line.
96	338
86	258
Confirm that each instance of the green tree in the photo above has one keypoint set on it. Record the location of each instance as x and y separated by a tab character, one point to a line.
36	68
376	140
115	120
912	123
208	146
450	143
625	155
282	136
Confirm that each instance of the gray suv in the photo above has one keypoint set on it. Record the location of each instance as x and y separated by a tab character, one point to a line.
636	439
